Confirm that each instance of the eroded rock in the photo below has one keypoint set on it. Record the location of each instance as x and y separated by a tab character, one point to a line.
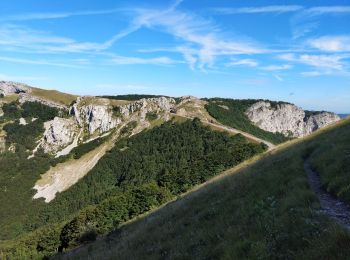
59	133
9	88
288	119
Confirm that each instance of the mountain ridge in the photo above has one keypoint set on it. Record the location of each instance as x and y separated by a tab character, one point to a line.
84	165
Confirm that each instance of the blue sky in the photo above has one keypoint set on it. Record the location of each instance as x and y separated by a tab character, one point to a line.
297	52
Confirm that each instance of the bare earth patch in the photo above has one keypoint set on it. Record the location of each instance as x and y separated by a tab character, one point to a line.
65	175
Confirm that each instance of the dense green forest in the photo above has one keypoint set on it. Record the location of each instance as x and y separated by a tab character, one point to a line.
140	173
231	112
25	136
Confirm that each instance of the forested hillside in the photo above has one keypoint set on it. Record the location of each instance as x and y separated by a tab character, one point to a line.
265	210
140	173
231	112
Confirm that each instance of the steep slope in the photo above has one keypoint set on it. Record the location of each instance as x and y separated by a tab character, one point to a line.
263	209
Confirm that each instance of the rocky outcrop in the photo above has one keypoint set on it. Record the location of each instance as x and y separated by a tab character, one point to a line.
288	119
59	133
27	97
96	117
320	120
100	116
9	88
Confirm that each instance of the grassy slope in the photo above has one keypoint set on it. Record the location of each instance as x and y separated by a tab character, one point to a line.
335	169
8	99
53	95
262	211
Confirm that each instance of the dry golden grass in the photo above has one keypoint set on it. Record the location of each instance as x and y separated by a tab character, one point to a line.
54	96
9	98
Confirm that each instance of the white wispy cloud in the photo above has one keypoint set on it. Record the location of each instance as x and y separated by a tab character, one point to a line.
202	40
277	67
331	43
259	9
320	10
55	15
317	73
328	62
308	20
22	38
313	73
244	62
39	62
124	60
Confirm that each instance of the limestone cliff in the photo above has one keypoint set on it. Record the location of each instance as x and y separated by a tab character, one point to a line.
9	88
288	119
59	133
101	115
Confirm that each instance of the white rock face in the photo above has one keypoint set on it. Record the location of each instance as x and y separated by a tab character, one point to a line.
22	121
319	121
59	133
288	119
100	117
10	88
95	117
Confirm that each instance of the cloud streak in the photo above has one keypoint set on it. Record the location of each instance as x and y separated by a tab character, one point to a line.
277	67
327	62
123	60
260	9
244	62
202	41
331	43
39	62
47	16
307	19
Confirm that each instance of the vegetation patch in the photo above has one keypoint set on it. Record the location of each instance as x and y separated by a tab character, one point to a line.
151	116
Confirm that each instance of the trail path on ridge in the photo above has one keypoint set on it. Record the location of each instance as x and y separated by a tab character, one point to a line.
331	206
236	131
